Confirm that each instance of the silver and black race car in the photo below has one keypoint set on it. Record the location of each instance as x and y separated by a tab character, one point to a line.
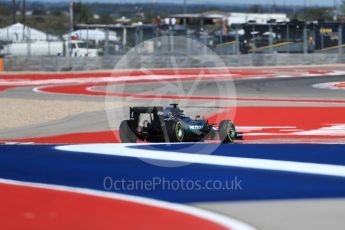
158	124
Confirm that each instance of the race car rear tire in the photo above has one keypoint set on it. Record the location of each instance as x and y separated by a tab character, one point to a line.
175	131
127	135
227	131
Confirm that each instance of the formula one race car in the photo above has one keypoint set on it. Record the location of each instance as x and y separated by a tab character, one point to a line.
171	125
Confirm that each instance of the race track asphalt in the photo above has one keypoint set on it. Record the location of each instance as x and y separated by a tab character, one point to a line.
278	88
316	214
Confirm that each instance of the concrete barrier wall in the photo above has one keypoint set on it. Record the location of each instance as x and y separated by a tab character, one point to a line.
110	62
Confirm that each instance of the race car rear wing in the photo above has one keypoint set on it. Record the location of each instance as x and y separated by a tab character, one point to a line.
149	109
157	112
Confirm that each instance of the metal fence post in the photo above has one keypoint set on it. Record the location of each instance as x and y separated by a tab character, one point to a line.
205	41
141	33
305	39
171	42
288	37
106	43
124	37
48	41
322	38
340	40
136	38
271	37
237	43
254	38
188	44
8	42
87	39
28	41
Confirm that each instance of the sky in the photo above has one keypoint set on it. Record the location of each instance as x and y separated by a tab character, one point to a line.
278	2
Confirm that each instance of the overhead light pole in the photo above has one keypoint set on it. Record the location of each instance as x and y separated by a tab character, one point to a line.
24	11
71	16
335	10
70	30
274	5
14	9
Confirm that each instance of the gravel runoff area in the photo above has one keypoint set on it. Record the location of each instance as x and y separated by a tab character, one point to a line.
23	112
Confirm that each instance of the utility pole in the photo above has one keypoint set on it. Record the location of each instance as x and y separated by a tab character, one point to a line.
274	6
335	5
14	9
71	16
70	30
24	11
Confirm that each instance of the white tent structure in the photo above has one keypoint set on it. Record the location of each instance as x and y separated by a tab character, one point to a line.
21	33
93	35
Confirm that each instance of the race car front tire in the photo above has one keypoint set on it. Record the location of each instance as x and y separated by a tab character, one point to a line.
227	131
127	135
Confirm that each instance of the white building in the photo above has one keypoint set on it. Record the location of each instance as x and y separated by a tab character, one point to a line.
264	18
211	17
